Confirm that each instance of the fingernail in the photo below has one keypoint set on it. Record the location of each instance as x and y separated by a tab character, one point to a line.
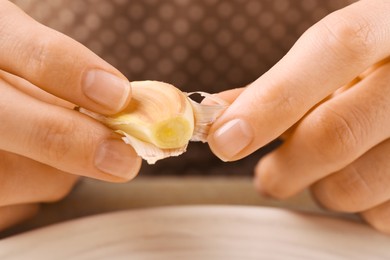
116	158
231	138
106	89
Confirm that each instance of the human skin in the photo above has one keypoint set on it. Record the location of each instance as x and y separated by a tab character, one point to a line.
44	143
330	95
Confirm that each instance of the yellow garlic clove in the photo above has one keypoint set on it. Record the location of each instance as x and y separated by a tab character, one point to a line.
161	120
158	113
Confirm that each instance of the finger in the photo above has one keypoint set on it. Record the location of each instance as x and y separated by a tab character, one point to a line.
359	186
26	181
63	138
379	217
230	95
326	57
58	64
33	91
12	215
331	137
361	77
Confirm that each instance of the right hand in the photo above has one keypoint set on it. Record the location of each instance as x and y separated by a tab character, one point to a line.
44	144
331	92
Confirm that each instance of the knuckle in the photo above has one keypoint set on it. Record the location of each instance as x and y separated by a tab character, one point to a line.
53	138
335	135
352	38
345	191
40	53
47	59
278	97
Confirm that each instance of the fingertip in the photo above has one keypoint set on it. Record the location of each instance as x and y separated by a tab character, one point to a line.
216	149
230	140
118	160
126	97
136	167
109	92
107	177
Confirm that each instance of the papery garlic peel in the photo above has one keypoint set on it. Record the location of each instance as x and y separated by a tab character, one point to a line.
161	120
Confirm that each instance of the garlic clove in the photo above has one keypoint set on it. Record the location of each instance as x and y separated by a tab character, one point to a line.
161	120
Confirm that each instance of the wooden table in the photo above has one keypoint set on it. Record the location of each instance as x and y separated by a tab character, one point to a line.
201	232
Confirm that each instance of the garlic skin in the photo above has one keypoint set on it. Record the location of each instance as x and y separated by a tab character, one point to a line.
161	120
205	115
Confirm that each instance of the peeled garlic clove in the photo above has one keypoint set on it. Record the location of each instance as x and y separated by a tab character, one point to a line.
160	120
158	113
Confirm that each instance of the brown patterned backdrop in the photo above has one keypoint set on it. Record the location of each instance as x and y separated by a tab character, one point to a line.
207	45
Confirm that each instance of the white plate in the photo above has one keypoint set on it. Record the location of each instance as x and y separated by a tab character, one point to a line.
200	232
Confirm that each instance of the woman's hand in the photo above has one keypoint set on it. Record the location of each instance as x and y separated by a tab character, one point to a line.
44	144
25	183
334	88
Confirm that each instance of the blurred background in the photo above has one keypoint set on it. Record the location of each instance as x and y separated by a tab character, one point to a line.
205	45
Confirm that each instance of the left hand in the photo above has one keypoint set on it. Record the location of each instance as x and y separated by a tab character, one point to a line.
25	183
334	88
